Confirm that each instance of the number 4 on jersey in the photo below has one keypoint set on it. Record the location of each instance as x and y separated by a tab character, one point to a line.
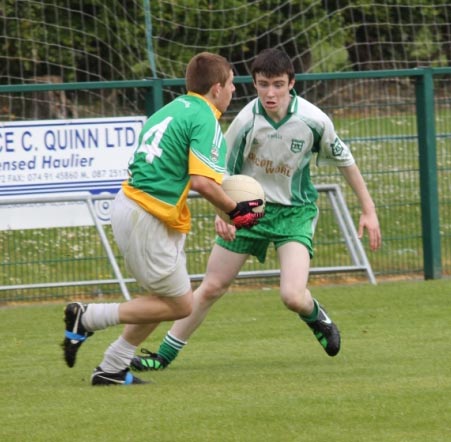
151	140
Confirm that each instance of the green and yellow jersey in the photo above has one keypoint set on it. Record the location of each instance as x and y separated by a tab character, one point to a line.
181	139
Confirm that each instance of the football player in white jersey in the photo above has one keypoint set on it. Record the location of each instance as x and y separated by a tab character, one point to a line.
273	139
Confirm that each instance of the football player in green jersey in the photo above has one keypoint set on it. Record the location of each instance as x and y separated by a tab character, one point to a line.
273	139
181	147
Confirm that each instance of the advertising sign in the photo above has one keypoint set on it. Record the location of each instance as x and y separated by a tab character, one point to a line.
62	156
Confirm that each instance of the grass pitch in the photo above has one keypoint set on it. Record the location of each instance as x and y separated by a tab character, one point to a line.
252	372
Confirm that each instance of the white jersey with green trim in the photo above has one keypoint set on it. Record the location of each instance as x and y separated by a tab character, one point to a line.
278	155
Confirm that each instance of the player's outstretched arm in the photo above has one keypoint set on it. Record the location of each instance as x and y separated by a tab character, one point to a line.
368	218
212	192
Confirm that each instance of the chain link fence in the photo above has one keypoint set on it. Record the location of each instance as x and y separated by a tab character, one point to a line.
376	116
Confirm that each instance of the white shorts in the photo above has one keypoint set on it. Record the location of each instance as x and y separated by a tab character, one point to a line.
153	253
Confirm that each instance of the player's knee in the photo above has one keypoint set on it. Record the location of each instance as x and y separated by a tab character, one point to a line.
183	309
211	290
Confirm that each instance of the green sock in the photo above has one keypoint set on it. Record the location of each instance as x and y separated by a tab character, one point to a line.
170	347
312	316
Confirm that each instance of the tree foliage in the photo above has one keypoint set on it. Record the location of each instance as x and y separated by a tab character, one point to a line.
97	40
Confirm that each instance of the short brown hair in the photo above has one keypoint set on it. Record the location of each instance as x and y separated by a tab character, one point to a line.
204	70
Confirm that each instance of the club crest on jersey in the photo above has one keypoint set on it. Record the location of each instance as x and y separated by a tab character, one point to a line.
337	147
297	145
214	153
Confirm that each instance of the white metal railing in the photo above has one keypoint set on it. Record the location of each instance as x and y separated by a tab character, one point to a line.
340	210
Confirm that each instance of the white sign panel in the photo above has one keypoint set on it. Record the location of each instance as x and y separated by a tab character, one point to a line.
62	156
66	155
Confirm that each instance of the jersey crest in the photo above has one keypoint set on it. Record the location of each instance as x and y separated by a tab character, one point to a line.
214	153
337	147
297	145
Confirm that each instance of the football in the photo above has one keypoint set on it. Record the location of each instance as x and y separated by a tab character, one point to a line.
242	188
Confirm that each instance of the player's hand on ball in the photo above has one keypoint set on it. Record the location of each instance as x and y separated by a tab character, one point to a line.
224	229
243	216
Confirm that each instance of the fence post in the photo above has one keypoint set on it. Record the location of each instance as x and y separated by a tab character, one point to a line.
432	265
154	96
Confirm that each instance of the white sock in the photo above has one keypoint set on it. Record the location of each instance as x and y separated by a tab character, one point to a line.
100	316
118	356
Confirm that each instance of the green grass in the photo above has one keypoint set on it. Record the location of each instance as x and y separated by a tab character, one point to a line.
252	372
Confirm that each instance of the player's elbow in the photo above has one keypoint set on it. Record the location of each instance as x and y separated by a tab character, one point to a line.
201	184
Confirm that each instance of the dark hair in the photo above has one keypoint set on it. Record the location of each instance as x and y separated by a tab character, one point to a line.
272	63
204	70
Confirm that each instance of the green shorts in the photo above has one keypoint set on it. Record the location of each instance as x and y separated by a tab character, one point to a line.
281	224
